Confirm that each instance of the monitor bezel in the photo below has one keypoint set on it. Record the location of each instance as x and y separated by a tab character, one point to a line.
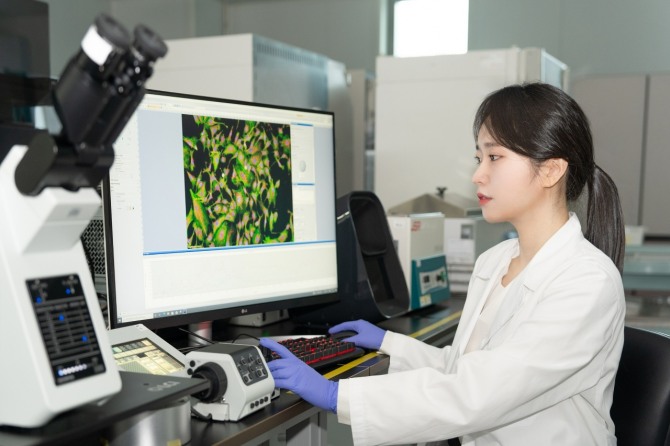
210	314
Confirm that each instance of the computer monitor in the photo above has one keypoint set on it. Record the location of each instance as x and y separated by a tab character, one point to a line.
218	208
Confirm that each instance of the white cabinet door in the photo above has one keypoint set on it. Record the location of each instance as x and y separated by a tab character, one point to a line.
615	106
656	173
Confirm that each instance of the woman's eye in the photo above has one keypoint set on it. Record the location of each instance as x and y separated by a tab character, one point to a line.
478	160
494	157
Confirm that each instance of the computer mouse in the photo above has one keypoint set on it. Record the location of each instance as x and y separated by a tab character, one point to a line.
340	335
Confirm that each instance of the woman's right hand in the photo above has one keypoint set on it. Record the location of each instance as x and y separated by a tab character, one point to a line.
367	335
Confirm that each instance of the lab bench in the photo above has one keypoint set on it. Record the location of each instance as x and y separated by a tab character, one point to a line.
646	269
287	420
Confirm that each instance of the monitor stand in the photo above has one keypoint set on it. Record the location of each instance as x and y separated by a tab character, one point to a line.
259	319
200	330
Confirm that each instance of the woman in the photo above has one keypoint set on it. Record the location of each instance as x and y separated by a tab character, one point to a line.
536	351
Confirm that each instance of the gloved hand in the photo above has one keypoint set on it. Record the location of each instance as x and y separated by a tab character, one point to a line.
292	374
369	336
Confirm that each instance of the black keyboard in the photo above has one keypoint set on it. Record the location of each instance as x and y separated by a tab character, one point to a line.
317	351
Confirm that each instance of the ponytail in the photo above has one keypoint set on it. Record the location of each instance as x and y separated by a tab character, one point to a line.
604	222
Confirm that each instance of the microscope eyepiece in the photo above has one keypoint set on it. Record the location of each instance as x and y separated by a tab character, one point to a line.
148	43
98	91
104	44
112	31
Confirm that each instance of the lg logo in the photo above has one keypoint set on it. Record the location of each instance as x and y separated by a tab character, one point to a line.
163	386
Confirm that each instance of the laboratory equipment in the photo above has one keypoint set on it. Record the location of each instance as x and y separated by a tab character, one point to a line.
219	208
246	385
430	282
371	281
419	241
239	381
464	240
137	349
51	323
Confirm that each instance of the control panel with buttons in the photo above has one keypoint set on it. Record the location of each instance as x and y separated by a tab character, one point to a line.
245	384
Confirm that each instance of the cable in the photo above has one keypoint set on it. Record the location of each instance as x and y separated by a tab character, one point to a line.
196	335
244	334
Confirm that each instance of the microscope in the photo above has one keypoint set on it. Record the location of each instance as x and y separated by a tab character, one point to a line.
54	341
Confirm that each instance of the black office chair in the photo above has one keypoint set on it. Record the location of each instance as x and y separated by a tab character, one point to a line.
641	405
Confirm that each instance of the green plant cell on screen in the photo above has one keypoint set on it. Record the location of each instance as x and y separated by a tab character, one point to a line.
237	176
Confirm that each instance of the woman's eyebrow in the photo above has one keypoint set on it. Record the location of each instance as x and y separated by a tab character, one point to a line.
487	145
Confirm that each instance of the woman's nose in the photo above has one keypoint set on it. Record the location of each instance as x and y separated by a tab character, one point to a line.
479	175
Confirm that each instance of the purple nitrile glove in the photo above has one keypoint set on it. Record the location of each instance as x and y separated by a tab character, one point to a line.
369	335
292	374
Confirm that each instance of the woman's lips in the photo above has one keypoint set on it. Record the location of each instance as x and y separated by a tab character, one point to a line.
483	199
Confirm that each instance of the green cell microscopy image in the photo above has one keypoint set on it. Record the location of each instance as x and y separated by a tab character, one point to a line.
237	176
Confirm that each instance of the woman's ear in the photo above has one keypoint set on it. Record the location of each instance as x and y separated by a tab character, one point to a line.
552	171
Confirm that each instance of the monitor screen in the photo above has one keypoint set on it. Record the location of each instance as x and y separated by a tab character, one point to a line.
216	208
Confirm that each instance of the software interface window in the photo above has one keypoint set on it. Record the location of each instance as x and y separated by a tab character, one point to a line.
217	204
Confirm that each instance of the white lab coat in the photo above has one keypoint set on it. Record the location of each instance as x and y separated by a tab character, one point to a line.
544	375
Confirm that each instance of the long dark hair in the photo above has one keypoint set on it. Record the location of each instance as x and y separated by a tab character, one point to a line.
542	122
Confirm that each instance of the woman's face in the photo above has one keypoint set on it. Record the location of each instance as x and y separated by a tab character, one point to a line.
508	187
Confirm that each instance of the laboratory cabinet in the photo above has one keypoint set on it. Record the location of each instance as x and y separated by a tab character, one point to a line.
629	121
362	94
